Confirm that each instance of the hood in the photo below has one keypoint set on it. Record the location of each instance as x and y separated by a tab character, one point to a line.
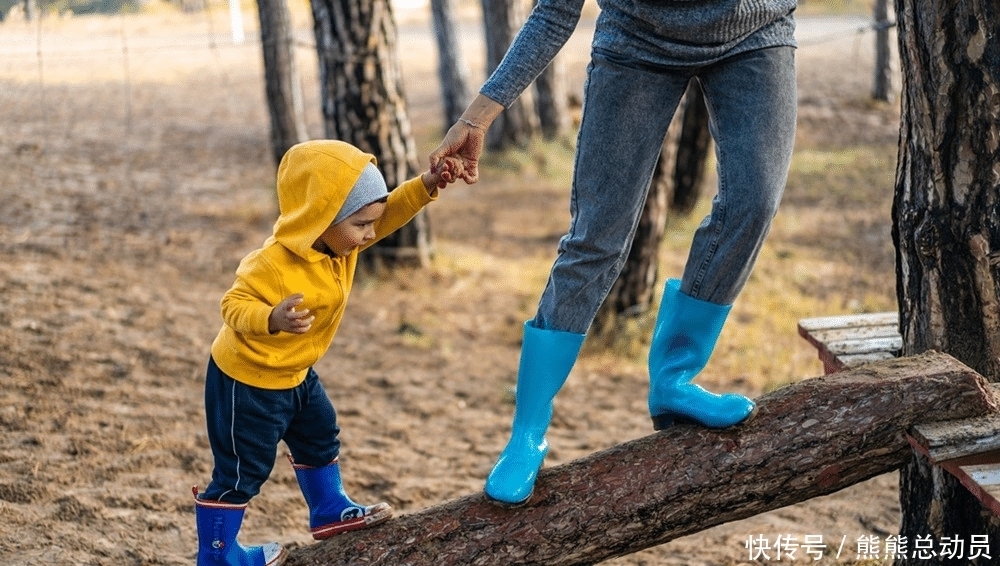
314	179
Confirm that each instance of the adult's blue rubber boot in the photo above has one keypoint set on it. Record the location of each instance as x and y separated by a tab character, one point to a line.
218	525
547	356
685	335
331	511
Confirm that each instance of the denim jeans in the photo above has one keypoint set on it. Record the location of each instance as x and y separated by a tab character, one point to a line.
628	106
245	424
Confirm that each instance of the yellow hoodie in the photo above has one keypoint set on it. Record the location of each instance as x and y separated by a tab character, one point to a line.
314	179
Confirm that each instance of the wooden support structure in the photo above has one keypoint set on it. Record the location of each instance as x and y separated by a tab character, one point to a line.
808	439
968	449
848	341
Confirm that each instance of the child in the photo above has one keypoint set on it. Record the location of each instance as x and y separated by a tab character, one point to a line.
280	317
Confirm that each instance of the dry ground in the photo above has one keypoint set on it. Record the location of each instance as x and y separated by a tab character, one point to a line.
135	176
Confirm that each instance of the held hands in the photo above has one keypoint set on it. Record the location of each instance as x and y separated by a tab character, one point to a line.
463	142
465	139
285	318
448	170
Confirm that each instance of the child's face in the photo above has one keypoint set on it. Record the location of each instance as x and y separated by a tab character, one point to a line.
354	231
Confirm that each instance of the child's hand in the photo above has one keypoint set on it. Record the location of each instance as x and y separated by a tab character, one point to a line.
448	170
285	318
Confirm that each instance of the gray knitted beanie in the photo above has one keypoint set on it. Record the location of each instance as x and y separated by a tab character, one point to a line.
369	188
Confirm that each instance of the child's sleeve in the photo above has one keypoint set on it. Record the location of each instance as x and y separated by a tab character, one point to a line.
405	201
247	305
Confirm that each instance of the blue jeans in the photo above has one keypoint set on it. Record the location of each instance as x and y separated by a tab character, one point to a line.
628	106
245	424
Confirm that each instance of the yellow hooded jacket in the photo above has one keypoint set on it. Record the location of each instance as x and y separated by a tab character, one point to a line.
314	179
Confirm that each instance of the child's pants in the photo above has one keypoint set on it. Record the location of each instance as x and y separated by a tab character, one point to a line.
627	108
245	424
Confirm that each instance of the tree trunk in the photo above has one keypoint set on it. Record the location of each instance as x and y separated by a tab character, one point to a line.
515	126
676	185
946	221
363	104
552	103
281	78
30	10
452	69
692	150
618	323
882	83
808	439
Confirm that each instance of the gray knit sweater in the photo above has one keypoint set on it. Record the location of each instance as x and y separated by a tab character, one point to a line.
664	33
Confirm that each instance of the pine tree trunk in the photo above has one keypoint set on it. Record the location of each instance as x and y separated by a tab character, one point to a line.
30	10
808	439
552	103
363	104
281	77
692	150
680	168
452	69
632	294
946	221
515	126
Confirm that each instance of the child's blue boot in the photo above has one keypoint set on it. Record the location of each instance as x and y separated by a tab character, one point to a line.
331	511
683	339
218	525
547	356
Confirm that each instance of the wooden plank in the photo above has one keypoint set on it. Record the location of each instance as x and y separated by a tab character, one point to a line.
846	341
855	360
854	333
958	439
889	318
982	481
865	346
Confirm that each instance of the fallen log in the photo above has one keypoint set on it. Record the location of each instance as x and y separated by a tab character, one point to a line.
808	439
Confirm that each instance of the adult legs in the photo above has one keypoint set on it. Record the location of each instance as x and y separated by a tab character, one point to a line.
627	108
751	99
752	107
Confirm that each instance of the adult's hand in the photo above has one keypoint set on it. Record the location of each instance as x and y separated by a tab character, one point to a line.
465	143
465	138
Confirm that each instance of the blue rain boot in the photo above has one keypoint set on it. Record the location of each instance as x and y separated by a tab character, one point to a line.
331	511
547	356
218	525
683	339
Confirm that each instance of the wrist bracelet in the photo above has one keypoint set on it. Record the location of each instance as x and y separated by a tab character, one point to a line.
472	124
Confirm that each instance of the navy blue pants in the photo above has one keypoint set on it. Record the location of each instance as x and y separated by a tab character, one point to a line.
246	423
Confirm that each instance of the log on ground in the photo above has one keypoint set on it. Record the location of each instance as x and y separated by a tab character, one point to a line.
808	439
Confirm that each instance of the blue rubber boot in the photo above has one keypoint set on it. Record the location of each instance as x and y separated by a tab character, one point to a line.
683	339
331	511
218	525
547	356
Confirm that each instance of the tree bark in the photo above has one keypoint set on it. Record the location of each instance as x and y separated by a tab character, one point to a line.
882	83
632	293
519	122
807	439
552	103
452	69
675	186
692	150
946	222
363	104
281	78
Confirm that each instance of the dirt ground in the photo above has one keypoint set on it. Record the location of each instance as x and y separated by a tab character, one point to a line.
136	174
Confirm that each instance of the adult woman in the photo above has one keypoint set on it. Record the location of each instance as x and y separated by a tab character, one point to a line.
643	55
